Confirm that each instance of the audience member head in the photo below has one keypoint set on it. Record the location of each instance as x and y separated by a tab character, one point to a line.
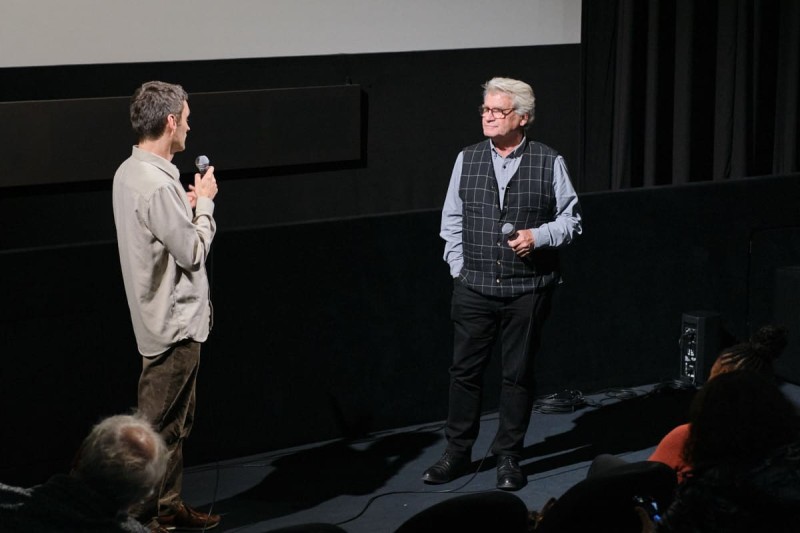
736	419
758	354
122	457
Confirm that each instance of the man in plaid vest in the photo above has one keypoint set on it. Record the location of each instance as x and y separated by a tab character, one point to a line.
509	207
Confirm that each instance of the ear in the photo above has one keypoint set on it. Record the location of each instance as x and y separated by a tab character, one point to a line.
525	118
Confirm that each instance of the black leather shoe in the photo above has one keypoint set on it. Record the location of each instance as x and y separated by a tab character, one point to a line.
448	468
509	474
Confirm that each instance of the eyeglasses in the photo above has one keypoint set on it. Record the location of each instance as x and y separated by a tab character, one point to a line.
495	111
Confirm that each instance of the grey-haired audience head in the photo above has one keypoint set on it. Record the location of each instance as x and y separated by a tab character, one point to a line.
122	457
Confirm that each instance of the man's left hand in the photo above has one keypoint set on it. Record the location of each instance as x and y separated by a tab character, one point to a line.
523	244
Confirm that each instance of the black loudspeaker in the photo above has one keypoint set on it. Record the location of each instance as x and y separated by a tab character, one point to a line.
786	312
699	343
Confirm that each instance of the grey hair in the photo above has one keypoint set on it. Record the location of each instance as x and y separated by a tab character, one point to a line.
124	458
151	104
520	92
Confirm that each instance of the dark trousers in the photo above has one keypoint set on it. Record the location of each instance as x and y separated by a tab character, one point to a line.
478	322
167	399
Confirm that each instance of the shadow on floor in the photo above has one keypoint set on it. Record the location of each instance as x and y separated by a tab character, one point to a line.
307	478
626	426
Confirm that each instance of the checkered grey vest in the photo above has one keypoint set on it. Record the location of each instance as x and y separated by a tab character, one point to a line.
490	266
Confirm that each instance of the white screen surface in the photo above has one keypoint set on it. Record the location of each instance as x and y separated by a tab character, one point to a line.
66	32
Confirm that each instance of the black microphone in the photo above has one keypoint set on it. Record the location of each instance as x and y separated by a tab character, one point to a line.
202	164
509	232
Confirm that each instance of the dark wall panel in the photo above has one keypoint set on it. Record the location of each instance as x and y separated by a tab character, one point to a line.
50	140
50	137
786	312
66	352
650	255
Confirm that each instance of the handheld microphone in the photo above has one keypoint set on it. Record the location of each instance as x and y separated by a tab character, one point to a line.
509	232
202	164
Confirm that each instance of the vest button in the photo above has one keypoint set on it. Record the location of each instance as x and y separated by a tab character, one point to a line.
498	280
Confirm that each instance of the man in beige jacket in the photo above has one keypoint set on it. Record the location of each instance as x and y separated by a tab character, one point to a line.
164	235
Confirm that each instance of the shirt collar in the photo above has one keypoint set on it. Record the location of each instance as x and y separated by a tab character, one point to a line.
516	152
157	161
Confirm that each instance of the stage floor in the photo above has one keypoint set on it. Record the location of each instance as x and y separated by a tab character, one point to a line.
373	485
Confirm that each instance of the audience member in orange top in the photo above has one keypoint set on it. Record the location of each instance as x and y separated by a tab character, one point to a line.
744	448
756	355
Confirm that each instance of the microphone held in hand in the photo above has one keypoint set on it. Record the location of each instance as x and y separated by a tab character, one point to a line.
509	232
202	164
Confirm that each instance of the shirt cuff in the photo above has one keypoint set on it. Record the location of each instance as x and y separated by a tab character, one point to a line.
204	206
455	267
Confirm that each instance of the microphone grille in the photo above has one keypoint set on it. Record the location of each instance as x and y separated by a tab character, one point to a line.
201	163
508	229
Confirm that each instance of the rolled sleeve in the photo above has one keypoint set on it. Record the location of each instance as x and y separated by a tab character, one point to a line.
567	220
452	221
187	240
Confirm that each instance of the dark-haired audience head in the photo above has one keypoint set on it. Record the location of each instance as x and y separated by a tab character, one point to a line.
757	354
744	448
122	457
737	418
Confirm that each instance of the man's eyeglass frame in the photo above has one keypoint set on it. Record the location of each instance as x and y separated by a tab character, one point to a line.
495	111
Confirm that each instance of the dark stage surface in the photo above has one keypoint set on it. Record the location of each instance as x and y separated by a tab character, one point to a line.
373	485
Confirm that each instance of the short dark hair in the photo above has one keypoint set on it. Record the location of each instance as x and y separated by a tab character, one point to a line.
151	104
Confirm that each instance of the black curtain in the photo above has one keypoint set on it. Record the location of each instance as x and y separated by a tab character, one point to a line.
679	91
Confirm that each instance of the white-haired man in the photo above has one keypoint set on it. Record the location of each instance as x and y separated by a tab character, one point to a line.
119	465
509	206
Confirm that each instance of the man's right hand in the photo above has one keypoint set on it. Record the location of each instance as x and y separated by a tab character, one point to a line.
205	185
